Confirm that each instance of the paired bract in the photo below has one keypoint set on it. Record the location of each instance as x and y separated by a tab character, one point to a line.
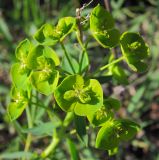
82	97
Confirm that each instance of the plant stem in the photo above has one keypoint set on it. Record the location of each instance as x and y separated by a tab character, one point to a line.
29	136
107	6
51	148
58	136
83	52
113	62
68	58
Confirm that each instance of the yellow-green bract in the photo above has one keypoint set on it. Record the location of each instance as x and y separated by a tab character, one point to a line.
20	70
42	61
50	35
82	97
102	27
18	104
114	131
135	51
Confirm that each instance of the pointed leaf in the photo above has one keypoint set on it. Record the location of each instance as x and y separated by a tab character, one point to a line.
80	125
84	62
73	150
66	66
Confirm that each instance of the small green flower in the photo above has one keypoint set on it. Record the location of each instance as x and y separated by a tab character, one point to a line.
50	35
82	97
42	60
135	50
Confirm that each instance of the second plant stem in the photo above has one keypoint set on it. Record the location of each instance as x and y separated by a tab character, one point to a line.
68	58
110	64
58	136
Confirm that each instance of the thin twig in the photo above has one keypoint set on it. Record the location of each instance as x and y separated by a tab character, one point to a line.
107	6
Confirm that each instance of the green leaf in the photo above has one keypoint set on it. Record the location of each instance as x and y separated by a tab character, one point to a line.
73	150
100	19
107	138
66	66
47	35
102	115
88	98
135	50
119	74
127	129
4	29
65	26
23	50
80	125
102	27
43	129
15	109
19	75
112	103
45	83
106	37
17	155
84	62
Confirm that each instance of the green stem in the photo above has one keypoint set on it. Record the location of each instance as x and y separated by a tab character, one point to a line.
83	52
52	146
68	58
29	136
58	136
113	62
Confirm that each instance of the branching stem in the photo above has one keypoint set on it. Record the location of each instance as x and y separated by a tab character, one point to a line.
68	58
113	62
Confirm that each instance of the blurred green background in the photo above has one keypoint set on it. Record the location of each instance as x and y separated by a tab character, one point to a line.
20	19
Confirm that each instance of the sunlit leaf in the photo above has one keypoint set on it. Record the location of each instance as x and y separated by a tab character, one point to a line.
107	137
102	27
135	50
102	115
88	97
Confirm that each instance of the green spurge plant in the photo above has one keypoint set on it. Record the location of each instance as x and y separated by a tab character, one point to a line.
76	90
